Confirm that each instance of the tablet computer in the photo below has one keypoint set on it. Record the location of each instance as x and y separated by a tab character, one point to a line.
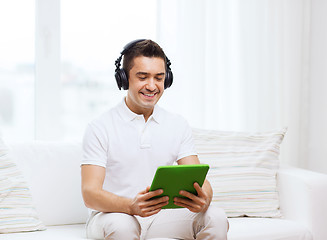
172	179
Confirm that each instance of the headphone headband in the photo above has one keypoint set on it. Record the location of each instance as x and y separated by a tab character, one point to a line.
131	44
120	73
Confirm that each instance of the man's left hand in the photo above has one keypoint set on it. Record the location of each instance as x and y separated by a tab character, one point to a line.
195	203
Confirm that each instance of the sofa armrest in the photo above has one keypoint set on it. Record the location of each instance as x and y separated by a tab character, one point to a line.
303	198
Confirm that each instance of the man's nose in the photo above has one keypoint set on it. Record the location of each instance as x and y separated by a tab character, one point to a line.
151	86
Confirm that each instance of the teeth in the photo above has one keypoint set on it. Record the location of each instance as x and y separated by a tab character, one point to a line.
149	95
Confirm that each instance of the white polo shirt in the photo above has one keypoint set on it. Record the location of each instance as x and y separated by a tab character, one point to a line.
131	149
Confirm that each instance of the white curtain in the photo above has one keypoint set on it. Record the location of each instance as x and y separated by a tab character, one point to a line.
240	65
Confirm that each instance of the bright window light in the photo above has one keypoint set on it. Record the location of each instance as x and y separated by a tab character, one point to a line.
93	33
17	24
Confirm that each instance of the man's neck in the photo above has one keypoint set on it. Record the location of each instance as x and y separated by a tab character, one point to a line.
146	112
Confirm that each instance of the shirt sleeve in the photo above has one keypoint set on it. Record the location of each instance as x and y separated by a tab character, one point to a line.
94	147
187	147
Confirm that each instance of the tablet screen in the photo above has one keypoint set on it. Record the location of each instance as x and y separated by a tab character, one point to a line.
172	179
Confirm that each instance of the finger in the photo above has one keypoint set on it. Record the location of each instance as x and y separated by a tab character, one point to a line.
155	201
151	212
188	205
197	203
146	195
145	190
184	201
188	195
183	205
157	206
152	194
153	209
198	189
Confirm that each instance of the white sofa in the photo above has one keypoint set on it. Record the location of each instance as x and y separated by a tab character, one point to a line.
52	170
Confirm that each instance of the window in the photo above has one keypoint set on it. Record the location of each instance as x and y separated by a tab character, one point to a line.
17	69
92	35
57	62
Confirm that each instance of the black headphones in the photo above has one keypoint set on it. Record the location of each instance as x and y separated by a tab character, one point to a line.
121	76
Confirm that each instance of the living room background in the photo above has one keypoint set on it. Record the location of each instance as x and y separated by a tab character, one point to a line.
238	65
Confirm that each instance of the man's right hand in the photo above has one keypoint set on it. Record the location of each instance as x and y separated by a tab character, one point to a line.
142	205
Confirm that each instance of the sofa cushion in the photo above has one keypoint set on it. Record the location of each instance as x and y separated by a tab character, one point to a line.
53	173
243	168
17	212
64	232
267	229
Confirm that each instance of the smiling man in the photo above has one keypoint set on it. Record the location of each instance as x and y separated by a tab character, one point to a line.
122	150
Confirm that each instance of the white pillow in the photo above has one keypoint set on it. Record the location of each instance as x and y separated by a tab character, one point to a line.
17	213
243	168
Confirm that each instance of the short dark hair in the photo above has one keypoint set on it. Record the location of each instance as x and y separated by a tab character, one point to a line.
146	48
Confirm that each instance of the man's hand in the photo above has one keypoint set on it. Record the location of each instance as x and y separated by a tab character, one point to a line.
142	205
199	203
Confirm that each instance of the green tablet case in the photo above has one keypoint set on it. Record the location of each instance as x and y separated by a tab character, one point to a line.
172	179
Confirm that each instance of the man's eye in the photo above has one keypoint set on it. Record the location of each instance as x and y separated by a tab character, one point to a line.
159	78
142	78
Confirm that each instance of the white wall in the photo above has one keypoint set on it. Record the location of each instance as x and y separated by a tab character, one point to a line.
317	147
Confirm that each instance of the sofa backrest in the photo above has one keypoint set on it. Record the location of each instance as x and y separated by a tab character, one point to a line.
52	170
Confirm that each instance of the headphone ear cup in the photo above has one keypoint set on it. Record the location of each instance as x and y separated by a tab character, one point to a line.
169	78
121	79
118	79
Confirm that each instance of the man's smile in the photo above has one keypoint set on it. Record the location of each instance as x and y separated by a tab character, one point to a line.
149	95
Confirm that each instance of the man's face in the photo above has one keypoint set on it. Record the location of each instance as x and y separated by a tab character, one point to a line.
146	84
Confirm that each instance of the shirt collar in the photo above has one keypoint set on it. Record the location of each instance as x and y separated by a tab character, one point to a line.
128	115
